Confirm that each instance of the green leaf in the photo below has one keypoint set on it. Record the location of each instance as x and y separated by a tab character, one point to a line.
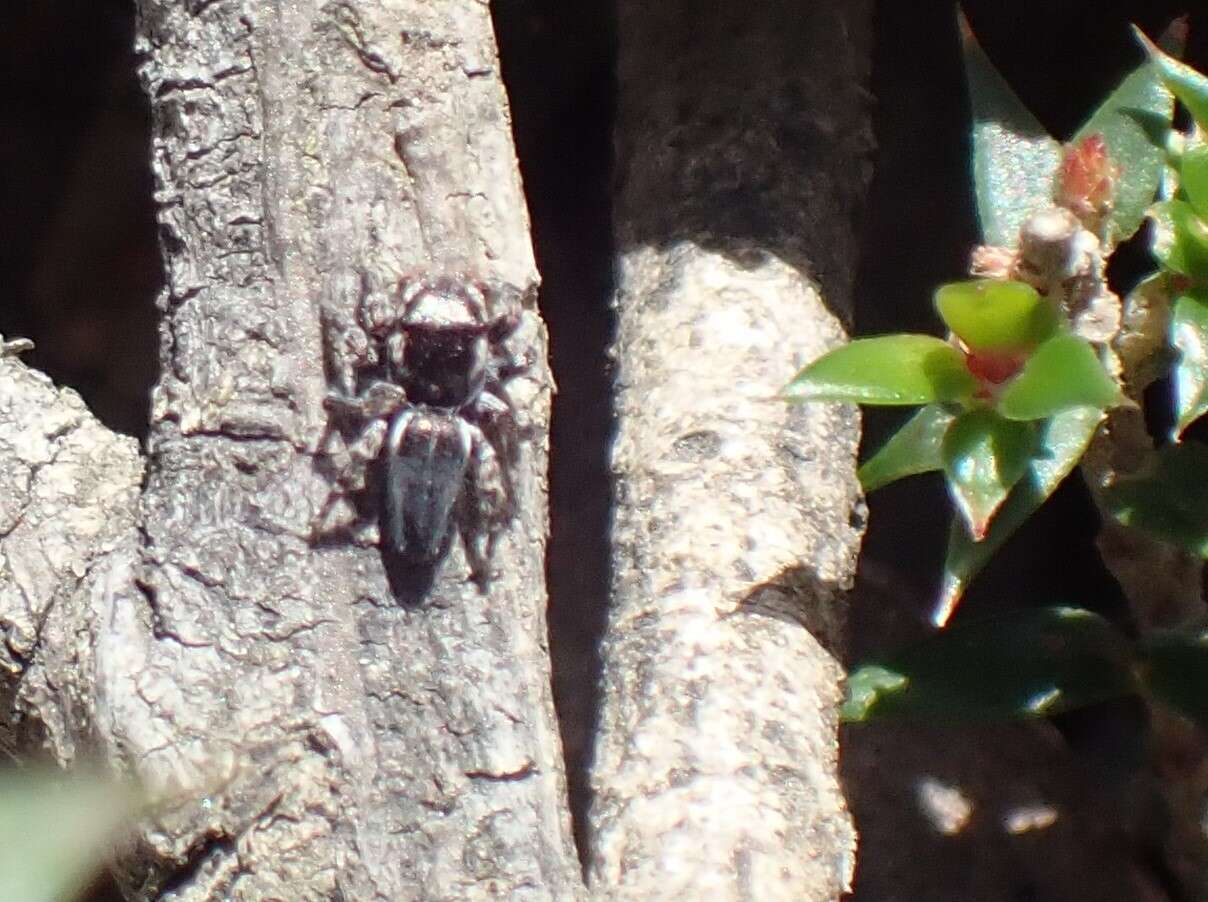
1189	334
1064	372
1063	441
913	449
1174	668
1029	663
1193	177
1184	82
1133	121
995	316
1180	238
1170	501
888	369
984	456
1014	158
56	832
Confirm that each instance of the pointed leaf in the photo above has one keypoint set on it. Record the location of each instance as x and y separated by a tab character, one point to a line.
1193	177
889	369
913	449
1133	121
1014	158
1189	334
1174	668
984	456
1171	500
1064	372
1063	441
1180	238
995	316
1036	663
1189	86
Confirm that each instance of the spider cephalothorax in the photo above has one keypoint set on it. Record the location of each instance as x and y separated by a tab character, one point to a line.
430	431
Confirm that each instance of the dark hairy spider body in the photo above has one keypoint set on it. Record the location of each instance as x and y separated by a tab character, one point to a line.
430	432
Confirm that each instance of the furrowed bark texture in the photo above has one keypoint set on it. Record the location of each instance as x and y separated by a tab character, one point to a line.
347	747
68	504
742	147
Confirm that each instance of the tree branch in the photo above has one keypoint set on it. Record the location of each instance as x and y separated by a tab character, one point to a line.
347	746
741	140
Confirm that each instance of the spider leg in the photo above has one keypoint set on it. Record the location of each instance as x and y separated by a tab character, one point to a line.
347	350
377	312
484	507
507	304
396	348
379	401
494	412
349	464
512	365
493	405
365	449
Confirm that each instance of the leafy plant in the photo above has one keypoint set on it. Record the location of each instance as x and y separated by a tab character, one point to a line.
990	390
1031	663
1038	354
1013	396
1166	498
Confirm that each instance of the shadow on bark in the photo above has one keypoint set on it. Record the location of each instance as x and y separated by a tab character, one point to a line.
796	596
740	143
558	63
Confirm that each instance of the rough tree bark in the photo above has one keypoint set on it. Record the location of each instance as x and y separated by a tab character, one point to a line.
351	748
171	615
742	148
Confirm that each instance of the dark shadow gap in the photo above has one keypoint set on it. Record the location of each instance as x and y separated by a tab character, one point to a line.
557	61
79	260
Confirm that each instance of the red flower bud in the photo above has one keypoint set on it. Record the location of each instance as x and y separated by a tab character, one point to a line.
1086	180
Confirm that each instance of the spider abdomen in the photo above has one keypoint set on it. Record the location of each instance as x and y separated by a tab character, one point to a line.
425	458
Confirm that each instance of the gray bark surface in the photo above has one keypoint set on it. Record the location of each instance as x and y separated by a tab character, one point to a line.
68	503
742	146
346	747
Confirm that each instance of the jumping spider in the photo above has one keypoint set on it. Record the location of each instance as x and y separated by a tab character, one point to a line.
429	430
